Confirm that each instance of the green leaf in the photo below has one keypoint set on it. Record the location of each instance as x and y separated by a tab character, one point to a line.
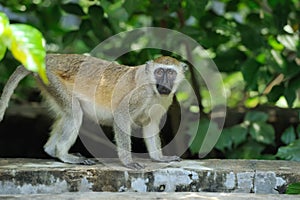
132	6
256	116
250	150
275	93
196	142
196	7
290	152
290	96
4	23
234	135
239	134
294	83
191	31
288	135
280	13
73	8
2	51
205	138
262	132
293	188
229	60
251	37
225	140
70	37
96	14
250	70
27	46
275	44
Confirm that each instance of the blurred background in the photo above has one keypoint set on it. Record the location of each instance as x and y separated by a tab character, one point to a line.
255	45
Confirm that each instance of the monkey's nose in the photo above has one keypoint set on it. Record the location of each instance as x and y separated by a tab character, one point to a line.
163	89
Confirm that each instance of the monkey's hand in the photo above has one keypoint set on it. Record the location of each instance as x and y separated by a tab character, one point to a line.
167	159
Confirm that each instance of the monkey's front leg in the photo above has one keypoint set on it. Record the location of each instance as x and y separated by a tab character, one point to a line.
153	143
122	129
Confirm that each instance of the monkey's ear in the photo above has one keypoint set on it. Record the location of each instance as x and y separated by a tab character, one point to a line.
148	65
184	66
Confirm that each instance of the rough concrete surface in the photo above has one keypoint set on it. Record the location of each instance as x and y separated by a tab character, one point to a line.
152	195
34	176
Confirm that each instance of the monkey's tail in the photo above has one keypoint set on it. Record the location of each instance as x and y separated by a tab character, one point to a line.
10	86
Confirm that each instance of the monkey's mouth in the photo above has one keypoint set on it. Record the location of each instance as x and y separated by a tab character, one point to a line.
163	89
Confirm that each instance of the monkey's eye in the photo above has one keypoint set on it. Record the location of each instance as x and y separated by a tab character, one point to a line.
171	73
159	72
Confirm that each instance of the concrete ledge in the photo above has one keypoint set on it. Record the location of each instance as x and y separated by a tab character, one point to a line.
152	195
33	176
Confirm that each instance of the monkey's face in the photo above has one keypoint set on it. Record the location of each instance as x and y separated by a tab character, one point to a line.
165	73
165	78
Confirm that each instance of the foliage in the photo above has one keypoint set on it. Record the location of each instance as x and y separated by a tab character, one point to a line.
290	152
248	139
197	145
25	43
255	45
293	188
258	40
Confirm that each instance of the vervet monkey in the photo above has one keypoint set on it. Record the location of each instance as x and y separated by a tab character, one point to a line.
122	96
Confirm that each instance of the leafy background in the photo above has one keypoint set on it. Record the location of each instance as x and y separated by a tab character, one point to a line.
255	45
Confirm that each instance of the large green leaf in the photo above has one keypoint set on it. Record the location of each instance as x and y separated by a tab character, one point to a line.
232	136
239	134
290	96
250	71
251	37
96	14
205	138
293	188
288	135
4	23
132	6
196	8
262	132
290	152
225	140
198	128
27	46
2	51
275	44
250	150
275	93
70	37
256	116
73	8
229	60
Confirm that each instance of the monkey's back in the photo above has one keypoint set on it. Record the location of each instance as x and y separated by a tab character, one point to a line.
91	79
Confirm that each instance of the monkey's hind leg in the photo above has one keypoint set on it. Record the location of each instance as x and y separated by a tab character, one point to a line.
68	121
63	136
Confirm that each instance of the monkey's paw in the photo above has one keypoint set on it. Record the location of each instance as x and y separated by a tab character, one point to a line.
135	166
76	158
83	160
87	162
